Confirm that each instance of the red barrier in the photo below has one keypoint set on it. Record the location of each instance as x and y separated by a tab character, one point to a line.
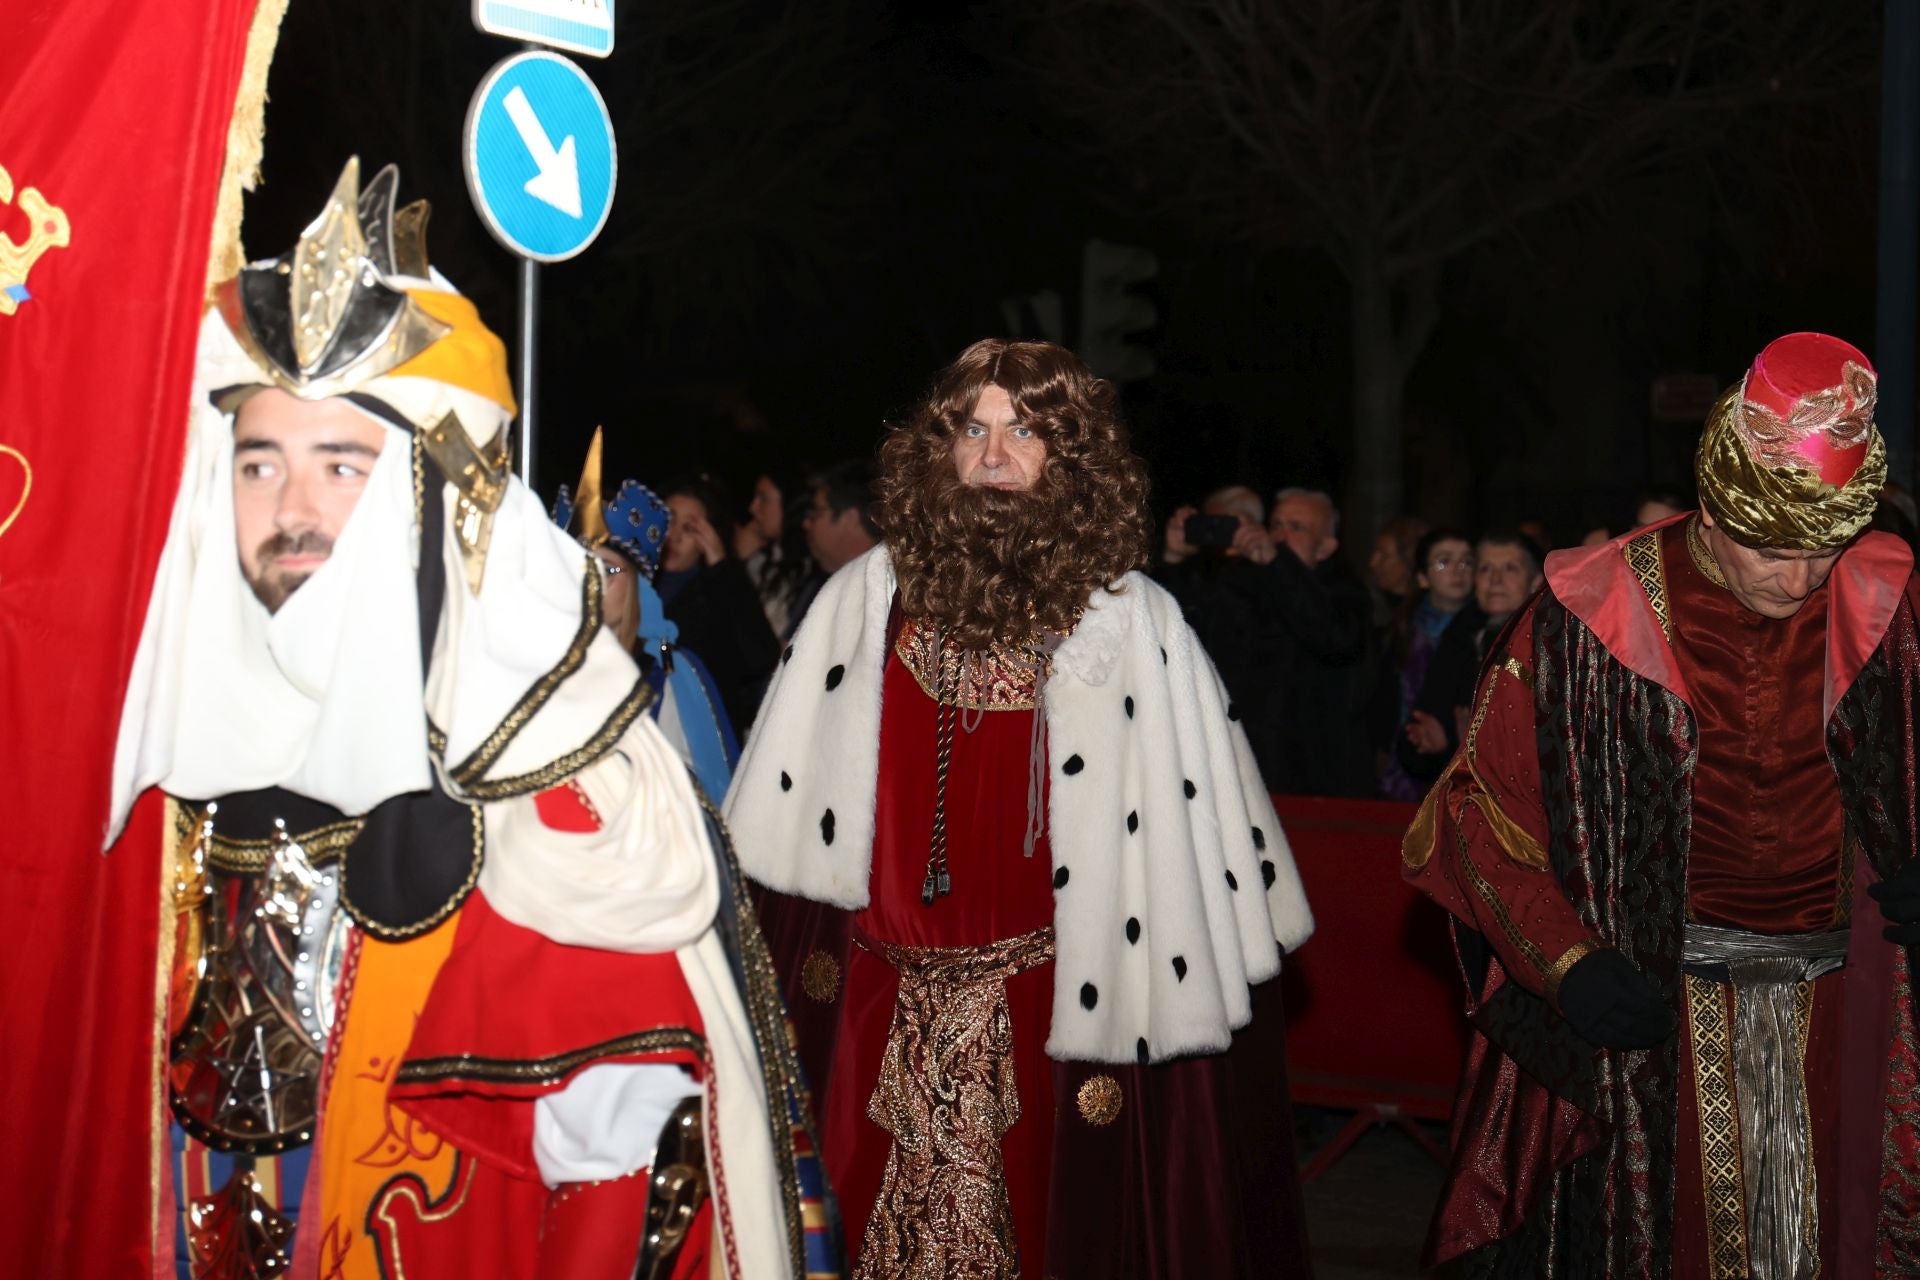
1374	1003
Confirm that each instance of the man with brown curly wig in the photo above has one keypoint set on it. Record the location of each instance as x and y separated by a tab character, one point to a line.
1025	882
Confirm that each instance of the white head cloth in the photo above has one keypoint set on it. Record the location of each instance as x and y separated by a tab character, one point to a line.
327	697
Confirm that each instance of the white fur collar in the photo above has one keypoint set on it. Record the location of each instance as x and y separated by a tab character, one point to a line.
1174	886
1094	647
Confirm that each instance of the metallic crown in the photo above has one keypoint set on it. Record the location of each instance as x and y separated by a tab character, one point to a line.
324	318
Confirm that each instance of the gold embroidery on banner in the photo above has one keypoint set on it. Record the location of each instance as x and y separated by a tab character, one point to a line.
1099	1100
1004	678
1643	557
47	228
408	1188
1703	554
820	977
1570	957
947	1093
1724	1183
26	486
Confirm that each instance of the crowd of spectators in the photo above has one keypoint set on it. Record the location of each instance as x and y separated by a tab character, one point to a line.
736	578
1355	683
1346	687
1363	686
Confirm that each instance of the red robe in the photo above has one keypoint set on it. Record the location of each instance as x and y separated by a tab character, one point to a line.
430	1173
1197	1174
998	893
1767	853
571	1008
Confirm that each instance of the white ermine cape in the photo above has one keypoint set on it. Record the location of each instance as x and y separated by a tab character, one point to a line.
1157	816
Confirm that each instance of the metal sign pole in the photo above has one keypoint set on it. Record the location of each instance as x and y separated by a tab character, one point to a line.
529	331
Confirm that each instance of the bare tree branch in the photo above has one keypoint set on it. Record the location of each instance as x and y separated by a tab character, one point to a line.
1398	135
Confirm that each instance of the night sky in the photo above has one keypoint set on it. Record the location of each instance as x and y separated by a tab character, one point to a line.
821	203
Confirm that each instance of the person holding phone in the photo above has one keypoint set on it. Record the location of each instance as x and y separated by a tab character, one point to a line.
1285	624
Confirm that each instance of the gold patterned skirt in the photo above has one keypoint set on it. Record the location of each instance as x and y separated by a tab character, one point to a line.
946	1094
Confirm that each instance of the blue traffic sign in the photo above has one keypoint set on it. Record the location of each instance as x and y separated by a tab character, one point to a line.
581	26
540	156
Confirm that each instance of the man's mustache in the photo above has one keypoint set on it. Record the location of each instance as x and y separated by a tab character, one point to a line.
311	543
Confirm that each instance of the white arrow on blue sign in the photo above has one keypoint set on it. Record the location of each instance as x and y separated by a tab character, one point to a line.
540	156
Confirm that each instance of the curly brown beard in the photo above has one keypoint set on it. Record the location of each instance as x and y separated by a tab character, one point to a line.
990	565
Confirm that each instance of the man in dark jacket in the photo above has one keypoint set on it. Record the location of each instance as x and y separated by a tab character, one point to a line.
709	596
839	528
1287	628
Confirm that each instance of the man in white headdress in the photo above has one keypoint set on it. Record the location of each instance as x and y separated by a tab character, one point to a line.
452	922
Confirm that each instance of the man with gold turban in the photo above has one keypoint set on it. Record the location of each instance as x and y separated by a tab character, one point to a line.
1679	844
461	985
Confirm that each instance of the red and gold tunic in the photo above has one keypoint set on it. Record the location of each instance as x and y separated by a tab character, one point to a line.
998	893
1766	851
422	1164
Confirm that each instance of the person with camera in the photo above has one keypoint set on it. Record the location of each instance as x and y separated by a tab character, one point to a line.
1286	627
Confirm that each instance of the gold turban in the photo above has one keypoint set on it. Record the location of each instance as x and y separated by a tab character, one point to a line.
1805	475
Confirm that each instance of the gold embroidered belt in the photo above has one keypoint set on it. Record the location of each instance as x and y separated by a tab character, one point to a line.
1760	1182
947	1093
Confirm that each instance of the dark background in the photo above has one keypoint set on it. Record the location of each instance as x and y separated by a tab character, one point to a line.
820	203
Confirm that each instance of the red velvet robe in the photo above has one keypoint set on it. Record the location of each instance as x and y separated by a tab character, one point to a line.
998	893
1766	854
1197	1175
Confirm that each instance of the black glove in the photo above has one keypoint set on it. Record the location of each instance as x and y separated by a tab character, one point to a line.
1610	1003
1899	899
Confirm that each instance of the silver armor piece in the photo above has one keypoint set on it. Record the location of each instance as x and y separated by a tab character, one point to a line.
293	936
245	1067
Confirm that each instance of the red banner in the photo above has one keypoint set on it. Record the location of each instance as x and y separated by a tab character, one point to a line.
113	135
1375	1009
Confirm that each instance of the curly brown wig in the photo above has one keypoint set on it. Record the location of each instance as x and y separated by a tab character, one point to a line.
993	565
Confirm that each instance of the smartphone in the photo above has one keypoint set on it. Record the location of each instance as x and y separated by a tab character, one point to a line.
1212	531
